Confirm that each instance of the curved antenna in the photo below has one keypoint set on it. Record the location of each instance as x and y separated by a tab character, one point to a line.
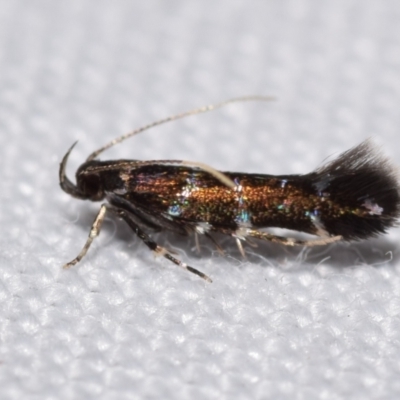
65	183
176	117
204	167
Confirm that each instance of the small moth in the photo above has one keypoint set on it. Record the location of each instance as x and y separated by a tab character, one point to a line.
356	196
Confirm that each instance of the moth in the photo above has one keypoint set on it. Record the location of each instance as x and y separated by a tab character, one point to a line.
356	196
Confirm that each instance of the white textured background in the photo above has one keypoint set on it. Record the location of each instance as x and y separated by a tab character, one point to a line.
295	324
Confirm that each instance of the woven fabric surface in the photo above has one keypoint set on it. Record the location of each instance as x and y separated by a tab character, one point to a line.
298	323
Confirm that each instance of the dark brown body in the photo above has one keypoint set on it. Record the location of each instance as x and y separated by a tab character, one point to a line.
188	196
169	196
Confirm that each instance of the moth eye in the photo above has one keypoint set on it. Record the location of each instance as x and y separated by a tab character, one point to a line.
91	186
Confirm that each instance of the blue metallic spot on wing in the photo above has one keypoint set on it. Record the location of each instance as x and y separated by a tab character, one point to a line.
243	217
175	210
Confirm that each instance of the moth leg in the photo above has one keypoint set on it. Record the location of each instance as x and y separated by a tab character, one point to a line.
94	231
217	245
196	239
152	245
287	241
208	236
240	247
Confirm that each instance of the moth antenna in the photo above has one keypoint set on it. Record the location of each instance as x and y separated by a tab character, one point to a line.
212	171
195	111
65	183
130	164
204	167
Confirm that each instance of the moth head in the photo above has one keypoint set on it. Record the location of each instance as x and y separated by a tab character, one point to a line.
88	184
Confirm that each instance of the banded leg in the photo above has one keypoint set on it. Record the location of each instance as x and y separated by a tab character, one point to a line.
94	231
152	245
